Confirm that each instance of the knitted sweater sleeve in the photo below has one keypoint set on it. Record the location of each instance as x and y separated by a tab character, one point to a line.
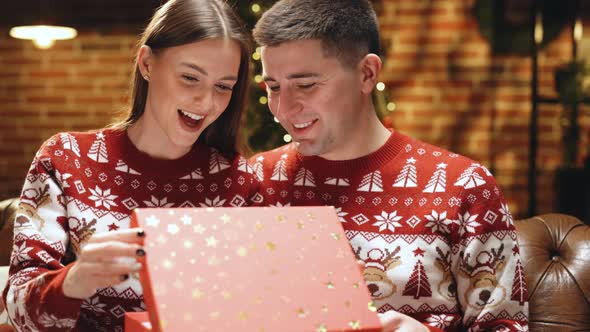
33	295
486	262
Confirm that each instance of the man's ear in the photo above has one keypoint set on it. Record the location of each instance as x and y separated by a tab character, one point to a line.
370	67
144	61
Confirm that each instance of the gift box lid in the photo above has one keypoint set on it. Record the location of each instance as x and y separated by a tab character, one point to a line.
251	269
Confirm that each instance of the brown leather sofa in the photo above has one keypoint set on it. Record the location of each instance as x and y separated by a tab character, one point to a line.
555	251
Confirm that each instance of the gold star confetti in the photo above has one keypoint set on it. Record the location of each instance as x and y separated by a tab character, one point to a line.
199	229
167	264
301	313
257	300
242	252
188	317
355	325
281	219
211	242
226	295
335	236
321	328
310	216
225	218
213	261
259	226
271	246
356	285
161	239
324	307
186	220
214	315
372	307
178	284
300	225
197	294
330	285
242	315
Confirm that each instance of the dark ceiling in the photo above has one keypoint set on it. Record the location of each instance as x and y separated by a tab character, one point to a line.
82	14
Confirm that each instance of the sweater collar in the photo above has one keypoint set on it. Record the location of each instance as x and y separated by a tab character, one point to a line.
392	147
145	164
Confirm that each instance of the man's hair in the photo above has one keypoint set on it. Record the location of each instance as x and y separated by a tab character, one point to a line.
348	29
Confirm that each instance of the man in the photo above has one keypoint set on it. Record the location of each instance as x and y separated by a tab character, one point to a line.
432	227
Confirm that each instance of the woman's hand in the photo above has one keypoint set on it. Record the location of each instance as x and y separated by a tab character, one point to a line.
105	260
393	321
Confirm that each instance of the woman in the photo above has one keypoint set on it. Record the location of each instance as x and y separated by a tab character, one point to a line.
74	252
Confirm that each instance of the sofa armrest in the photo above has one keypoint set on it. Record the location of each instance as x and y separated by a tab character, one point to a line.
3	280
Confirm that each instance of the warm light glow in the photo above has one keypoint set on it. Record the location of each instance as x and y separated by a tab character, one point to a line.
578	30
391	106
263	100
287	138
539	28
256	56
381	86
43	36
258	78
256	8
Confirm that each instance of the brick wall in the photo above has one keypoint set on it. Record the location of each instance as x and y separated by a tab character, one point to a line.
449	89
76	85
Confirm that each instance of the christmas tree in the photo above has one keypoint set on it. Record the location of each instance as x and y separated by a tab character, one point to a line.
260	129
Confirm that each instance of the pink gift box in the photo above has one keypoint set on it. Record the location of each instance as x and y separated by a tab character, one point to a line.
251	269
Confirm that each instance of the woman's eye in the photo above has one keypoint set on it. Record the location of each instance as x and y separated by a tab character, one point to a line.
225	87
190	78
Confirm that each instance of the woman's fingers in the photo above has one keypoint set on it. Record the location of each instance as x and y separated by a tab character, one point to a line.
110	269
132	235
107	251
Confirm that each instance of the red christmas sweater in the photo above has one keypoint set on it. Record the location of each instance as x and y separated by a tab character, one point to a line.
432	227
80	184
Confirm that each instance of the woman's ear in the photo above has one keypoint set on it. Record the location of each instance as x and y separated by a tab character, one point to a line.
144	61
370	67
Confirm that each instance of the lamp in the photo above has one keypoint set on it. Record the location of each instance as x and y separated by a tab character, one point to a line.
43	36
42	31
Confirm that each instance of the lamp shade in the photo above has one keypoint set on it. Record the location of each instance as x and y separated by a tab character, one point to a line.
43	36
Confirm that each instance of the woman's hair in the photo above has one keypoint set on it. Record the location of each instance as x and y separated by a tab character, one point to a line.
180	22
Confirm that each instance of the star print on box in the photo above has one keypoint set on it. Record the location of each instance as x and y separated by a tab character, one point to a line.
250	269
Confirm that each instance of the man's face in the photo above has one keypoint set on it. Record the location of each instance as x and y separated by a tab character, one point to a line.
316	98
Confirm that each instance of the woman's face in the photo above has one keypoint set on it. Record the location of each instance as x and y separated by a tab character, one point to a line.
189	87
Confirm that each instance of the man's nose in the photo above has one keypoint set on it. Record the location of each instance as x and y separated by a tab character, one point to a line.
286	104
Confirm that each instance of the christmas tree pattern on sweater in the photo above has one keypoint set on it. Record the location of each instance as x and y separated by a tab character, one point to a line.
432	227
81	184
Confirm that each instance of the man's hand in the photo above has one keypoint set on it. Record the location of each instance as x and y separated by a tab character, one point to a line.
393	321
105	260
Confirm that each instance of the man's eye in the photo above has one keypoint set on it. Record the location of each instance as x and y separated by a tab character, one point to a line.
306	86
274	88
